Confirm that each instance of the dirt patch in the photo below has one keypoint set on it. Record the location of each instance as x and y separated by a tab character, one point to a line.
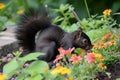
113	69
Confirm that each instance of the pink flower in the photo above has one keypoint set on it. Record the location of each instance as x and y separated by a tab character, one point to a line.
59	57
62	51
76	58
90	57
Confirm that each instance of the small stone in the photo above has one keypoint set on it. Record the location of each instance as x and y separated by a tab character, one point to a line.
4	59
9	59
21	49
9	55
26	65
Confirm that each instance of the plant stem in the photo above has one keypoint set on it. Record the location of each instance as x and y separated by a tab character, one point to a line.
87	8
26	6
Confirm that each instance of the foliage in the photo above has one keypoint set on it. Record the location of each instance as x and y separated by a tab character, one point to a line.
69	65
17	7
18	68
64	18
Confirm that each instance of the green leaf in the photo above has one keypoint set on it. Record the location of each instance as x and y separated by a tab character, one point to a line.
35	77
3	18
17	53
31	56
11	68
77	51
37	67
57	19
118	79
72	28
9	23
20	76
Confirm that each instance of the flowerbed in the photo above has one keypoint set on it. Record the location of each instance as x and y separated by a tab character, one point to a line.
77	65
72	64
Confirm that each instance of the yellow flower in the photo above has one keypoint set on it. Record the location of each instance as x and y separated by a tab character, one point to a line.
2	5
20	11
69	78
102	66
107	12
2	76
99	56
60	70
65	71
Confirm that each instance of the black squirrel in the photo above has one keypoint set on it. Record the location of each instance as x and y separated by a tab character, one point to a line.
49	38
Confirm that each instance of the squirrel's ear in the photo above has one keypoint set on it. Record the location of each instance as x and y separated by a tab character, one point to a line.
78	33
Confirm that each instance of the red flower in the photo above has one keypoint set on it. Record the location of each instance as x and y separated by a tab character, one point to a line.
107	36
76	58
90	57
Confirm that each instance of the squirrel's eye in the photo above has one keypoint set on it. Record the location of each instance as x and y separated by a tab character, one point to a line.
85	41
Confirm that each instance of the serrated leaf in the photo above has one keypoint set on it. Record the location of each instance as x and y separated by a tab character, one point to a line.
31	56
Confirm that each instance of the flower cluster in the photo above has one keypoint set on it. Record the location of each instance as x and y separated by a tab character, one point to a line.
96	58
81	62
106	40
61	70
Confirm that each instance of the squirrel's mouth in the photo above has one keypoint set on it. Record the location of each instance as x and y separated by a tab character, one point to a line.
88	48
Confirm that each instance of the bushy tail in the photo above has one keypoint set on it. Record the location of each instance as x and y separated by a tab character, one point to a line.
29	25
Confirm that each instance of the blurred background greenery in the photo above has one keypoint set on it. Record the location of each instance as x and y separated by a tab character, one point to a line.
13	8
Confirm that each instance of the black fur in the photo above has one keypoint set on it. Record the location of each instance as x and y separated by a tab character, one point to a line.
49	38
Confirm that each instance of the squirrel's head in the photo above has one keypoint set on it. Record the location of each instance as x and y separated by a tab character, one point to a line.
82	40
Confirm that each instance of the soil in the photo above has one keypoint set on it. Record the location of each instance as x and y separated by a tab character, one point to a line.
113	69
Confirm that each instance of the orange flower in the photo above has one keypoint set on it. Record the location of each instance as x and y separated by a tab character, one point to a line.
112	42
107	12
90	57
2	5
102	45
76	58
95	46
102	66
82	51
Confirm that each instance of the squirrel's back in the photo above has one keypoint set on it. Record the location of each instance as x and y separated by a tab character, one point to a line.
30	23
